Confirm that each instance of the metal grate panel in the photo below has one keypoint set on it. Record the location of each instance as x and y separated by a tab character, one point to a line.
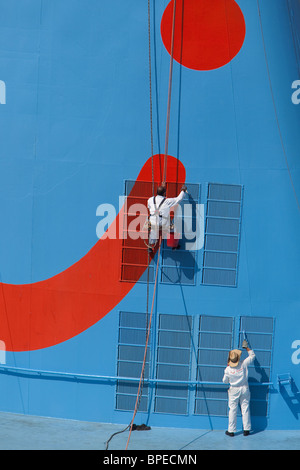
176	360
131	349
173	363
180	266
214	341
134	258
222	234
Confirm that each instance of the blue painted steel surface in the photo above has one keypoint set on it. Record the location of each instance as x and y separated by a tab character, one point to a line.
75	125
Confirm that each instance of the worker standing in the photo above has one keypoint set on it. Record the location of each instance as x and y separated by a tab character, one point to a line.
236	374
159	208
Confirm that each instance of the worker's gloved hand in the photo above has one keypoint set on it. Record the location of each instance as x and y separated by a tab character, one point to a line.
184	188
245	345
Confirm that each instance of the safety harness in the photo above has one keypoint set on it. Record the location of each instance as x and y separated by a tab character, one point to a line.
157	211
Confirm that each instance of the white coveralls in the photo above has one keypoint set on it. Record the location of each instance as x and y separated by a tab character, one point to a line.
162	222
239	392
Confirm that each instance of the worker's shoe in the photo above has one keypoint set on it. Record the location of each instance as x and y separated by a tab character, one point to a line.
231	434
246	433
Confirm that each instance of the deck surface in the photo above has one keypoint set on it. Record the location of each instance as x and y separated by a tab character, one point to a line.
20	432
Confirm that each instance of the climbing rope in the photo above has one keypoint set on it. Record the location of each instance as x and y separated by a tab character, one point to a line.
168	105
169	94
146	347
141	381
150	92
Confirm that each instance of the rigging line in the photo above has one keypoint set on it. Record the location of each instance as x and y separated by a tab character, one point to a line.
114	434
148	325
138	398
294	34
274	105
152	146
150	91
146	347
237	146
151	134
169	93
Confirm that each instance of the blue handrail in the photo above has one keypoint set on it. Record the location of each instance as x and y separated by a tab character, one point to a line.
74	375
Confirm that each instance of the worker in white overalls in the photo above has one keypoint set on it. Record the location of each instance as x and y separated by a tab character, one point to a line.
236	374
159	208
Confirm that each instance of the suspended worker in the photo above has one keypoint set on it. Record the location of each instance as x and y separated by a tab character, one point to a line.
236	374
159	208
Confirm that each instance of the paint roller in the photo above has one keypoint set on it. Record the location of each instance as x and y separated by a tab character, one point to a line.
245	343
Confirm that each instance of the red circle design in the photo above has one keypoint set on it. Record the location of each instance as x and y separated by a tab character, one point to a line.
208	34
